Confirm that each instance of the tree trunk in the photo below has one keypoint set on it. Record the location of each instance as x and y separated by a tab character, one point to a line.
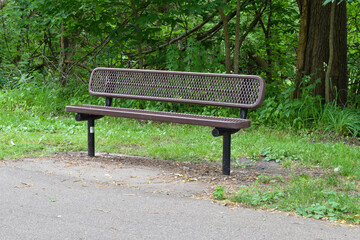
67	50
237	38
227	41
269	51
313	49
64	45
331	52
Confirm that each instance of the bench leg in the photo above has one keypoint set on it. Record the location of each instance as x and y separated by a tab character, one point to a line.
226	133
226	153
91	130
91	137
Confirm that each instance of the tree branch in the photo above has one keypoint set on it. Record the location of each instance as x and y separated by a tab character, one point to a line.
216	28
179	37
254	22
78	64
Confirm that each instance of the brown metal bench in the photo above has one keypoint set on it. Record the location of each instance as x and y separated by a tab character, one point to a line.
239	91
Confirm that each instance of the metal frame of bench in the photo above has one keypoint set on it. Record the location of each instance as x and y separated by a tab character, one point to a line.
225	90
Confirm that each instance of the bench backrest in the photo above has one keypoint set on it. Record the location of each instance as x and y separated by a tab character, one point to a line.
230	90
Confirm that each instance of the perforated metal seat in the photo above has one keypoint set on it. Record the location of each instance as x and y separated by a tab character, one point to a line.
192	119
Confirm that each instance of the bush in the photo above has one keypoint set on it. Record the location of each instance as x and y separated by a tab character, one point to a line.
309	112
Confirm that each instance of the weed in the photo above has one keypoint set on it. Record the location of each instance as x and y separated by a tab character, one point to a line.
342	121
307	196
333	208
256	197
271	154
287	163
243	165
266	179
219	193
255	157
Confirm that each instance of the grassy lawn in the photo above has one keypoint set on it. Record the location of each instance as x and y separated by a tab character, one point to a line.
334	196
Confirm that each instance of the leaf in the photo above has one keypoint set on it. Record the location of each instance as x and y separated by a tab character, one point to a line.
193	179
327	1
303	176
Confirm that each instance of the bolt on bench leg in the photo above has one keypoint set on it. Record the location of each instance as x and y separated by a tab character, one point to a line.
91	137
226	153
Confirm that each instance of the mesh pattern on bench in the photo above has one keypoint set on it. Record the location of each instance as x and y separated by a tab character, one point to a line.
197	88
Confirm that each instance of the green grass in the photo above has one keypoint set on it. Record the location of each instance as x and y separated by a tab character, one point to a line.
34	124
24	132
321	198
336	196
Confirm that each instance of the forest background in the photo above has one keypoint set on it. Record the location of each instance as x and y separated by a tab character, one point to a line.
308	52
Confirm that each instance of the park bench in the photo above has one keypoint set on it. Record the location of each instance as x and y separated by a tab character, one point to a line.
225	90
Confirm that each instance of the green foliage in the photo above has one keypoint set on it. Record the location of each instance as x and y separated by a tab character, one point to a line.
280	21
26	130
30	93
309	197
219	193
266	179
63	40
341	121
296	146
354	54
195	58
280	110
48	48
271	154
68	37
256	197
315	198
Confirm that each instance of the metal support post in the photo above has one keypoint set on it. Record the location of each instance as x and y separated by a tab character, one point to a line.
226	153
226	133
91	130
91	137
243	113
108	102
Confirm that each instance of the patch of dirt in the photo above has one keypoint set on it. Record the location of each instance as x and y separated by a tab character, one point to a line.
203	172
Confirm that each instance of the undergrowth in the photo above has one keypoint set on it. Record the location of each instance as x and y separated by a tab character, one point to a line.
279	109
320	198
308	113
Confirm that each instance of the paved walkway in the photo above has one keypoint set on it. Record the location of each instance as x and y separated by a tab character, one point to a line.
50	199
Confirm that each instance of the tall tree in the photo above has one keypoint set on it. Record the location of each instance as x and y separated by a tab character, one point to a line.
314	50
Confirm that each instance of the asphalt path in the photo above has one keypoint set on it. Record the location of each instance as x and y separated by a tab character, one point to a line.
46	199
